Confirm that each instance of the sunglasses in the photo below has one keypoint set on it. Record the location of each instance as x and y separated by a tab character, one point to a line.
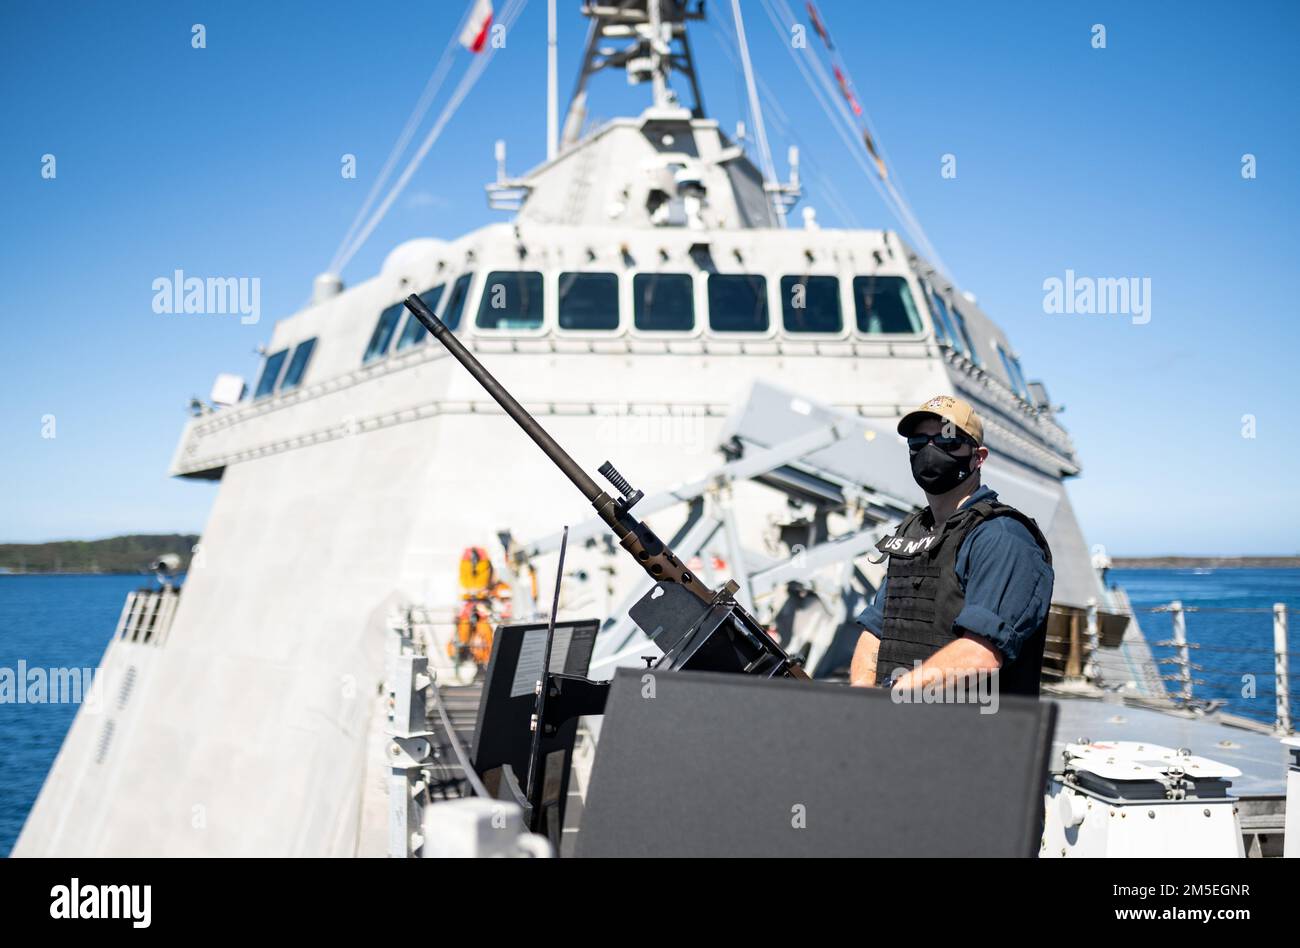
949	443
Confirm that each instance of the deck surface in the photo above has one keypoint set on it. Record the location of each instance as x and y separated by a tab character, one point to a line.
1261	758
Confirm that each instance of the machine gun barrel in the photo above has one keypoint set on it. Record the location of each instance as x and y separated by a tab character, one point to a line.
583	481
650	552
733	639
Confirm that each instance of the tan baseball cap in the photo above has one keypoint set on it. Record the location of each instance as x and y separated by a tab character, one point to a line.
946	408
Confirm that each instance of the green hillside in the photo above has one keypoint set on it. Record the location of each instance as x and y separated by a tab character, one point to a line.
128	554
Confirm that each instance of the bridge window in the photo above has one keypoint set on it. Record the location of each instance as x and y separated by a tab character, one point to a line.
737	302
512	299
414	333
884	305
588	301
270	373
960	322
298	364
811	304
943	329
1020	379
1012	367
663	302
456	302
383	334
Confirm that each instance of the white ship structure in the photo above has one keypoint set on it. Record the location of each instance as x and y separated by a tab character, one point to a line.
652	301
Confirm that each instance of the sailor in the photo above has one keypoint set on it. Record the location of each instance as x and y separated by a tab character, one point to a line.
969	579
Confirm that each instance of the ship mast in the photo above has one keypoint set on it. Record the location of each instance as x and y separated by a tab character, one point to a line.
648	39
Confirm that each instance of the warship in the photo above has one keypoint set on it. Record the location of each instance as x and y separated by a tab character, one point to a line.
312	687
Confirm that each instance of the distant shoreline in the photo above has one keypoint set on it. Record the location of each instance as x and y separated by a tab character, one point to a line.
131	555
1205	562
73	572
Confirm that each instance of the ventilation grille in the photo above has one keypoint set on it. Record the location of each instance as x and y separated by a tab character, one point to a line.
128	682
105	738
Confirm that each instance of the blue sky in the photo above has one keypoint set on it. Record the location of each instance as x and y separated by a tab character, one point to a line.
225	161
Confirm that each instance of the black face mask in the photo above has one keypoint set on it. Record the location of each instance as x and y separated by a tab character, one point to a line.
936	471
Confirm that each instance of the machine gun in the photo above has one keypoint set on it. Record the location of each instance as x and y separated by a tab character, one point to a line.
696	627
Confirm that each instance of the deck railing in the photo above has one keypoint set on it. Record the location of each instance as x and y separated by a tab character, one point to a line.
1221	683
147	615
421	732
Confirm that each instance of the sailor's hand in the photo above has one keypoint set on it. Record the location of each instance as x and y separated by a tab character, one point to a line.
963	657
925	675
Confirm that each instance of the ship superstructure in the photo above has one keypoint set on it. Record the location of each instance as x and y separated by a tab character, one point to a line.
650	277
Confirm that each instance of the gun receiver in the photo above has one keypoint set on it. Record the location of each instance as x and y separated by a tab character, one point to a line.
755	651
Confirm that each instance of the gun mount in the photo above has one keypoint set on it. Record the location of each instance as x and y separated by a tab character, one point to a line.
697	628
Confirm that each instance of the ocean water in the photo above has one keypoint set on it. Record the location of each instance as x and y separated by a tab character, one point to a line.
1232	625
48	622
67	621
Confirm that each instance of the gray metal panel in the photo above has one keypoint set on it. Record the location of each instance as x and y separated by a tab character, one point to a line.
1076	581
875	457
733	765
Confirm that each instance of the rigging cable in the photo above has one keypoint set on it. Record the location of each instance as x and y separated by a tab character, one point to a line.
879	176
508	16
431	89
868	138
756	111
786	129
843	122
845	136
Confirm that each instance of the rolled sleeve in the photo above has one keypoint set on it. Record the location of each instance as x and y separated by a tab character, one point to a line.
1008	584
873	617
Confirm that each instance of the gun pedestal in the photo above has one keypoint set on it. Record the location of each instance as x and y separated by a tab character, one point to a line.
569	697
717	636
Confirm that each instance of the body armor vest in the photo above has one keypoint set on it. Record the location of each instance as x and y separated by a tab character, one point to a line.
923	595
